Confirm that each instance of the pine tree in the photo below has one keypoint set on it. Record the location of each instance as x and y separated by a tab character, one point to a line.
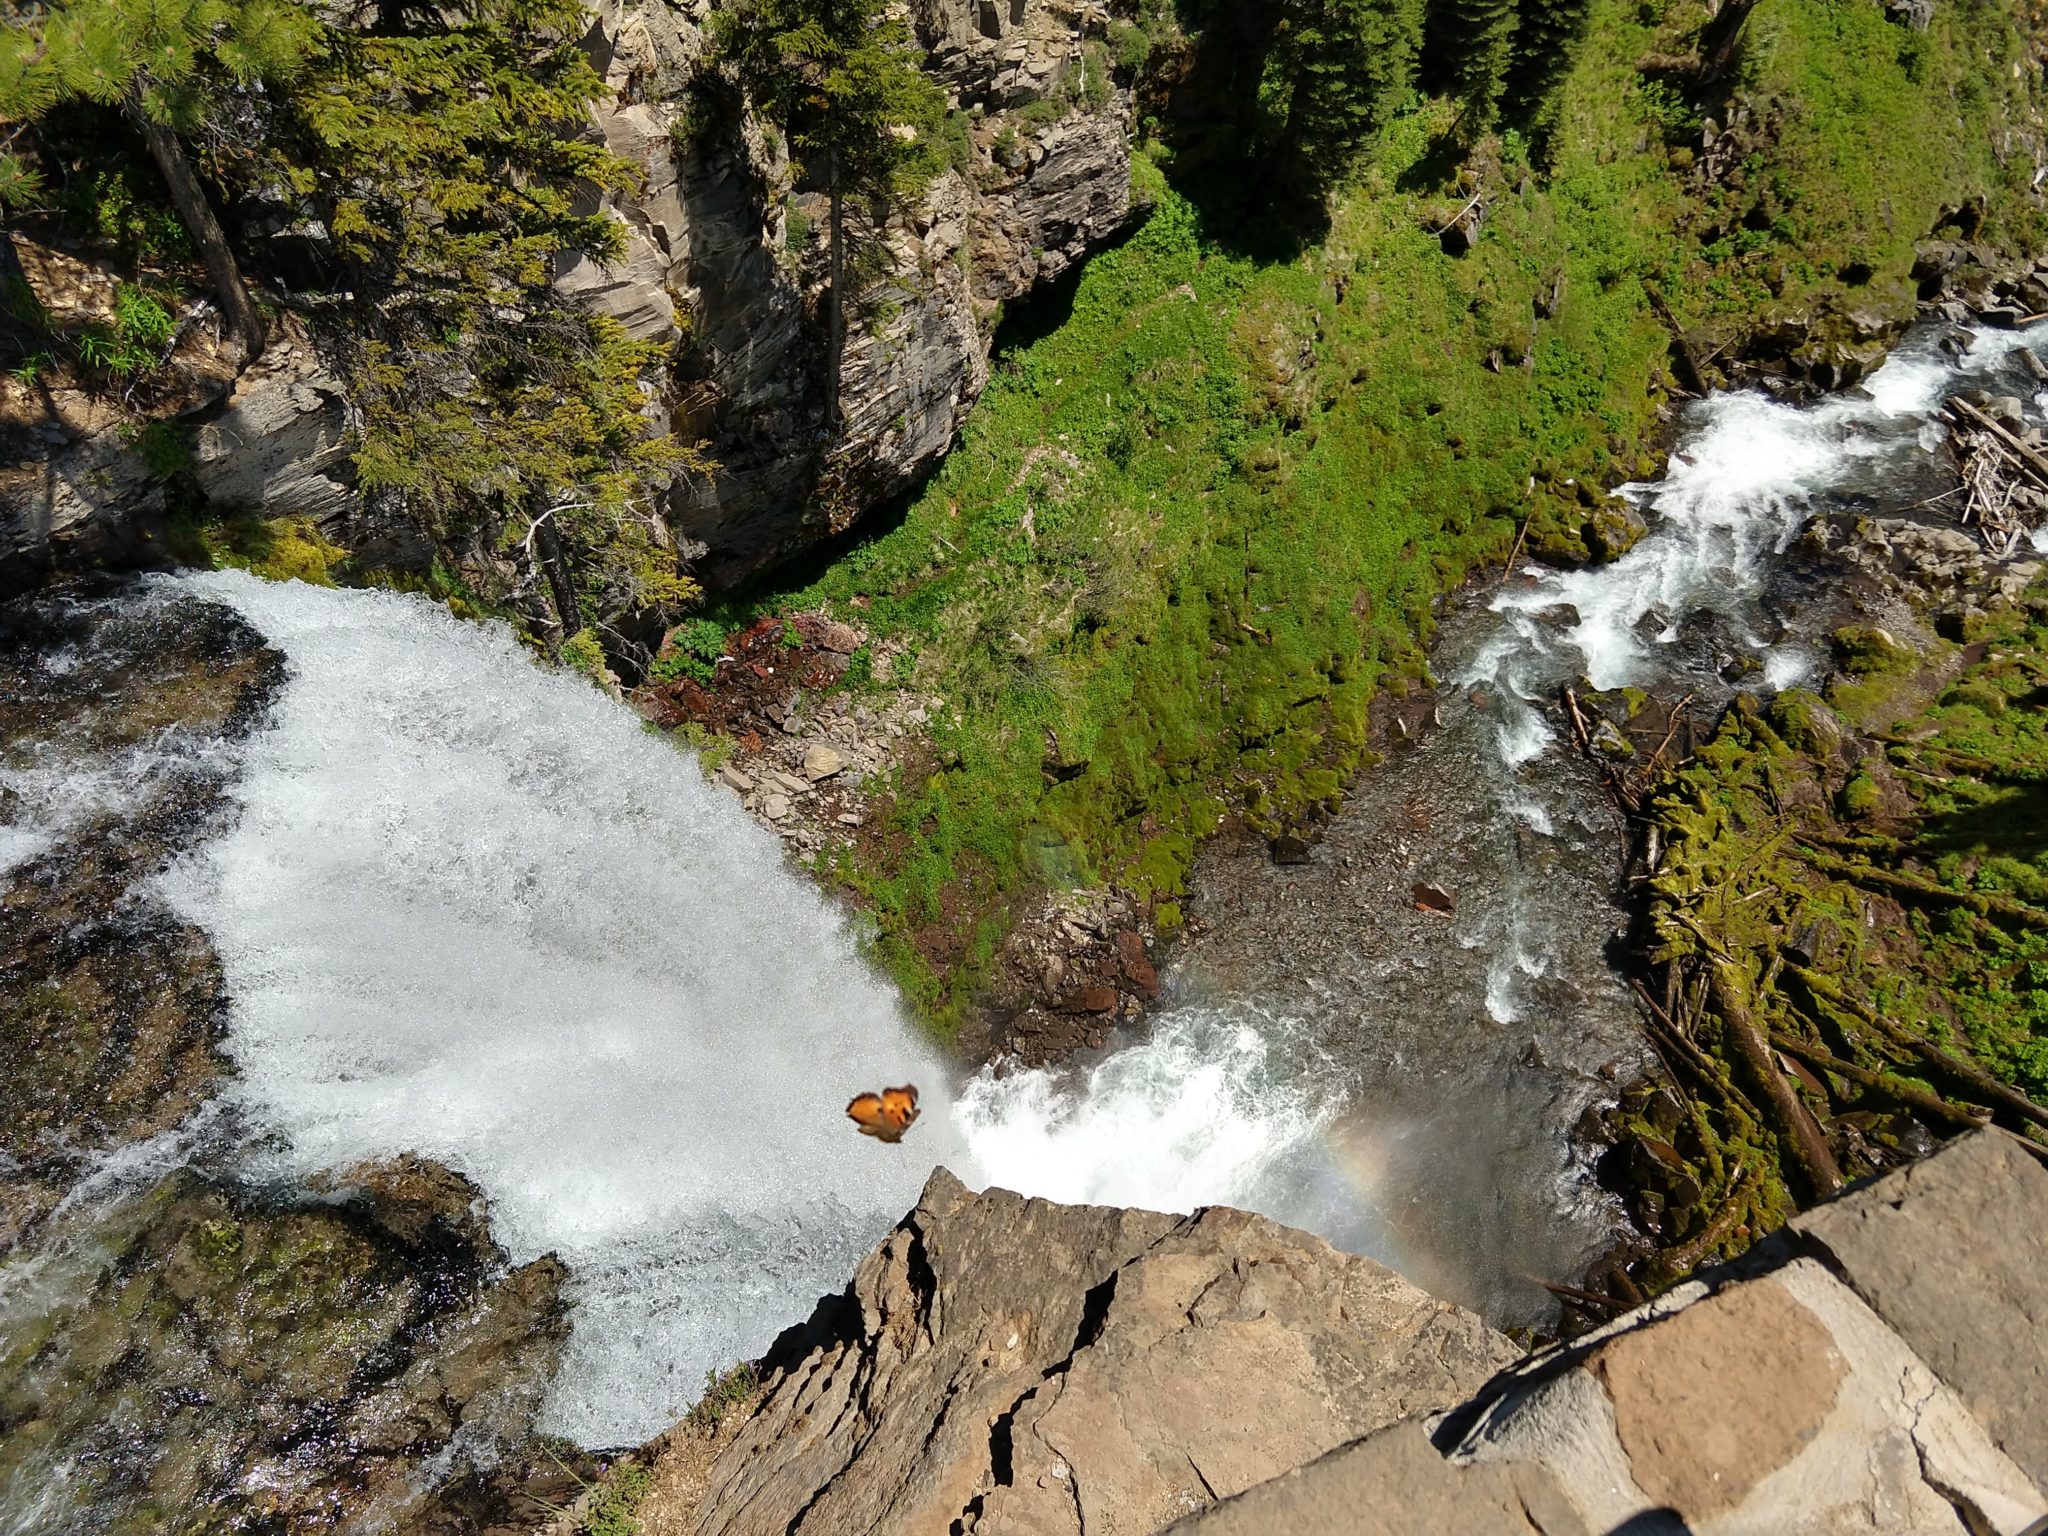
1336	71
1546	45
1481	37
159	61
842	78
451	168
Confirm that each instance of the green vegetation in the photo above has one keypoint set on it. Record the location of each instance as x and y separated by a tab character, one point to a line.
448	165
136	338
691	650
1188	532
614	1500
157	63
1879	917
723	1393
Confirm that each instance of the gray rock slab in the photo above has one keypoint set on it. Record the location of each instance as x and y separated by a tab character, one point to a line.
1393	1483
1004	1364
1952	1253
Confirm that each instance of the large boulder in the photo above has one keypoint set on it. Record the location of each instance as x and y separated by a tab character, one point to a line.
1004	1364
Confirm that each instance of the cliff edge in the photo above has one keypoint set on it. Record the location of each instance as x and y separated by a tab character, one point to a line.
1009	1365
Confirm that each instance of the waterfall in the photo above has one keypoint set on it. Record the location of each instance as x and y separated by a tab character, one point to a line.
471	908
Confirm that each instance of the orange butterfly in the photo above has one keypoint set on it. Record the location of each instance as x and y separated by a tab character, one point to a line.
887	1114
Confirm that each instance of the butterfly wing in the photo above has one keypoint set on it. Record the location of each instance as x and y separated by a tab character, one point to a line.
885	1115
866	1111
899	1106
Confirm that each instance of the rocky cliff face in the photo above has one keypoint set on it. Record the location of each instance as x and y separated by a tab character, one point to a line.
717	262
1010	1365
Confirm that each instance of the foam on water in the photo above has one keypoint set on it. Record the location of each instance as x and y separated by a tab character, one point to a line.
1204	1111
471	909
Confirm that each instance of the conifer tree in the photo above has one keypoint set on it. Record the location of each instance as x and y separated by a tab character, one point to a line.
159	61
842	78
1546	44
1336	71
451	168
1481	38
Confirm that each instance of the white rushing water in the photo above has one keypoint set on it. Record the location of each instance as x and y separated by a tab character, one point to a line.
471	909
1735	495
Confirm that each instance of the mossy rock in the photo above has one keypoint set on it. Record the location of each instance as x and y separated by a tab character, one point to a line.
1806	724
1867	651
1613	530
1860	797
1974	693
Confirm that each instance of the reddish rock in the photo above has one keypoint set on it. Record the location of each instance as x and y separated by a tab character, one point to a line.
1093	997
1138	969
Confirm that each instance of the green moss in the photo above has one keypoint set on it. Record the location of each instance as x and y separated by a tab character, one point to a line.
1860	796
1867	652
1986	698
275	548
583	652
1805	724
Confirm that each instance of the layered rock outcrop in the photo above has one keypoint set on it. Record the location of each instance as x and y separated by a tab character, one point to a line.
720	260
83	483
1010	1365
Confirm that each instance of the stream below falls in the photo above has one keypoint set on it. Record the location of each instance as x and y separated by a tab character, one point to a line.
468	908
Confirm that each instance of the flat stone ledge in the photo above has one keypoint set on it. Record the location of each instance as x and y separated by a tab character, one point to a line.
1952	1252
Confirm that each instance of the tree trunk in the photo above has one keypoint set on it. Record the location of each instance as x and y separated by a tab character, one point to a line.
190	200
1802	1134
835	319
1719	37
556	564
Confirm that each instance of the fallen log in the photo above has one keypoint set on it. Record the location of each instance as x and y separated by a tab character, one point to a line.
1800	1131
2031	460
1982	1084
1673	1262
1932	1105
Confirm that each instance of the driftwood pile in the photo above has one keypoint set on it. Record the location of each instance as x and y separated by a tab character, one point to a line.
2005	477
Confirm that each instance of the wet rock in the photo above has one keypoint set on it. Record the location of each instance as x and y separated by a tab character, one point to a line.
258	1363
1093	997
1434	898
1614	529
1288	848
1002	1363
1137	965
111	1008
